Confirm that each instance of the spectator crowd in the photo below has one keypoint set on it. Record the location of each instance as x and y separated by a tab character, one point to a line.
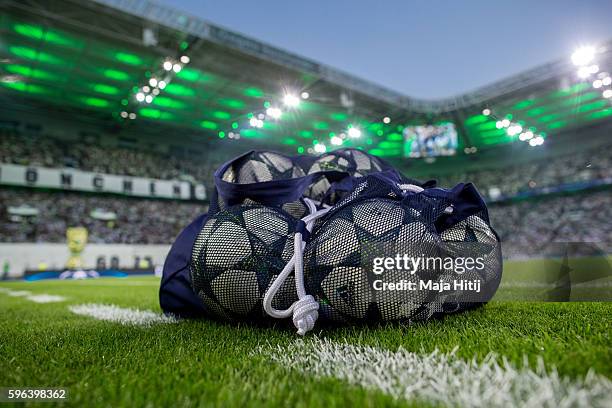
526	228
132	220
16	148
589	165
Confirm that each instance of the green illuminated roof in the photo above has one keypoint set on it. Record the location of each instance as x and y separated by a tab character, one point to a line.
86	71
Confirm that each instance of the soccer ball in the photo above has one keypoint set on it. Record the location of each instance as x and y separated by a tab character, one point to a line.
476	238
258	167
352	161
338	261
236	255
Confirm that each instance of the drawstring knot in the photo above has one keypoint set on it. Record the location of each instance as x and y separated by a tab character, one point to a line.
305	310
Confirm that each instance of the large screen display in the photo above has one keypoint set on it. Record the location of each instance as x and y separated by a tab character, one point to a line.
430	140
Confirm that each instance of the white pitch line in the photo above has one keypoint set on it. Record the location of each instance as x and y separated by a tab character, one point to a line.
441	378
125	316
44	298
19	293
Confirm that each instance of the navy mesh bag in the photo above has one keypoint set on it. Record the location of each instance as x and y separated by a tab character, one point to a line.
297	237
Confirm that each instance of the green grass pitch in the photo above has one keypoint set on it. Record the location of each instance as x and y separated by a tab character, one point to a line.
202	363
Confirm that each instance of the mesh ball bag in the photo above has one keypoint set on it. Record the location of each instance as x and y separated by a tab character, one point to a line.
297	237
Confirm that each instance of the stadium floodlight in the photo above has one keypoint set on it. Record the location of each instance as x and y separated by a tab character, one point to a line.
124	114
168	65
185	59
387	120
335	140
583	55
320	148
146	89
606	81
598	83
155	91
505	123
177	68
132	115
486	112
153	82
149	98
161	84
514	130
354	132
584	72
254	122
526	135
140	97
593	69
291	100
499	124
533	142
305	95
274	113
607	93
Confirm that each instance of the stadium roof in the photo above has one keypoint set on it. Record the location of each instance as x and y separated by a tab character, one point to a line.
95	59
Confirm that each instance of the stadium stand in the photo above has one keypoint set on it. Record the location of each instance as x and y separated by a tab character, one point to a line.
135	220
525	227
43	150
585	166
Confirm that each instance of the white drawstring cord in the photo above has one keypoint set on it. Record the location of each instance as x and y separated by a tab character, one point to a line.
411	187
305	309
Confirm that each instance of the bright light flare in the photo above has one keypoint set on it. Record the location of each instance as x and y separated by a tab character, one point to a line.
305	95
514	130
254	122
177	68
354	132
291	100
274	113
583	55
320	148
386	120
536	141
140	97
185	59
486	112
168	65
336	141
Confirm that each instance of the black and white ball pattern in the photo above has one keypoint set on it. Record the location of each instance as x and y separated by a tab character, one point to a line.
338	260
235	257
260	167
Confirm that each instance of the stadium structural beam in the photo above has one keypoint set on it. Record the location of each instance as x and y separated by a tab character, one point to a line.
178	20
